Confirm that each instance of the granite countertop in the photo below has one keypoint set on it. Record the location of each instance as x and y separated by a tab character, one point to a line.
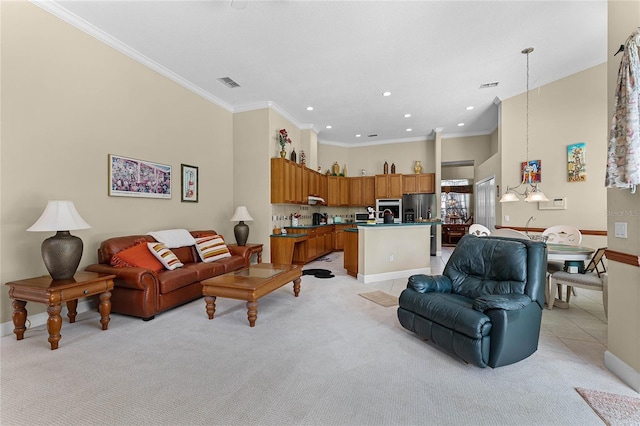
318	226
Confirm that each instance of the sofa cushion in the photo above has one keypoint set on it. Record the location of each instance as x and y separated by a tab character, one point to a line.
169	281
212	248
137	256
232	263
165	256
206	270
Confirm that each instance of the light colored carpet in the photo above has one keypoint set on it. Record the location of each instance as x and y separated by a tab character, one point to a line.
381	298
613	409
328	357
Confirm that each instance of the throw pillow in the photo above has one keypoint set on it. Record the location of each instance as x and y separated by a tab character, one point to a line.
212	248
165	256
137	256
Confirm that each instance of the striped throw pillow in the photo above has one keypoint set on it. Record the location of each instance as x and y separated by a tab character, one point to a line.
212	248
165	256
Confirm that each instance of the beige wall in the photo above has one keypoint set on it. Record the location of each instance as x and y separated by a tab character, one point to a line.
567	111
68	101
623	356
371	158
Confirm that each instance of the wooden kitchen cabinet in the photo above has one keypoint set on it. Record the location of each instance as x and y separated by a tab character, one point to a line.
339	234
388	186
422	183
319	243
351	253
292	183
337	191
362	191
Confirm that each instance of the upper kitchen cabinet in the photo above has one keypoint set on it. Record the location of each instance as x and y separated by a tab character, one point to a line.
422	183
389	186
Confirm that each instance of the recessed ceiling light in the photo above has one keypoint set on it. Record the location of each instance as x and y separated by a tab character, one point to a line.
329	127
408	130
460	124
407	115
386	93
470	107
357	136
309	108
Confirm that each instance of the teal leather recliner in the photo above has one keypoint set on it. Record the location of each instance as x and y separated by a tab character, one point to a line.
487	306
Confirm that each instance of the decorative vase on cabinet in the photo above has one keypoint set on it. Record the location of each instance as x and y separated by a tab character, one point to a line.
418	167
283	153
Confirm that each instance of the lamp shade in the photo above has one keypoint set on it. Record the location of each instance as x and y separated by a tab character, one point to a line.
536	195
509	197
241	214
59	216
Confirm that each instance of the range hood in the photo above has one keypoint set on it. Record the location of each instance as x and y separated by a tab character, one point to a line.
315	200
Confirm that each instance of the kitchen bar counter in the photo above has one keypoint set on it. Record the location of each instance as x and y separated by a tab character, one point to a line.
390	251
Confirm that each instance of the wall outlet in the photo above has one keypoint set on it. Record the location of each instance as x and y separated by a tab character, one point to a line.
391	258
506	218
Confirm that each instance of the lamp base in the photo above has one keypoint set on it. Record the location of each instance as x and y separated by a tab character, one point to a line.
61	254
241	231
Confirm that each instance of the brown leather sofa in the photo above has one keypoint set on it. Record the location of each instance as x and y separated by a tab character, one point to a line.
144	293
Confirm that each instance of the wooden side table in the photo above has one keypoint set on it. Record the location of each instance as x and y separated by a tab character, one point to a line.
53	293
253	249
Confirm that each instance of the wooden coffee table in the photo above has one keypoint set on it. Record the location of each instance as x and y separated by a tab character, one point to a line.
250	284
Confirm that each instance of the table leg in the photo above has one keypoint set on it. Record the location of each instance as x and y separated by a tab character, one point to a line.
54	324
105	309
19	318
260	256
210	305
252	312
296	286
72	305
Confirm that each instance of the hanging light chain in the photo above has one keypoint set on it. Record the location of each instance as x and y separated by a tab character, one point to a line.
527	51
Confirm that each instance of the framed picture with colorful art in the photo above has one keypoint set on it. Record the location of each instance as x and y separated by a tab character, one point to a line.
576	164
532	173
189	183
129	177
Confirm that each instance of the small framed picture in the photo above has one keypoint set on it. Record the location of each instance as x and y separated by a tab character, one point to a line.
189	183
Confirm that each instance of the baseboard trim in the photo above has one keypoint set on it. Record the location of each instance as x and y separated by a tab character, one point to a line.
372	278
623	370
6	328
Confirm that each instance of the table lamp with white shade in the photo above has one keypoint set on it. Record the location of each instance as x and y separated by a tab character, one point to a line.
62	252
241	230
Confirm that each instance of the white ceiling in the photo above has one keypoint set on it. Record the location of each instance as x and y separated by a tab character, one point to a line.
339	56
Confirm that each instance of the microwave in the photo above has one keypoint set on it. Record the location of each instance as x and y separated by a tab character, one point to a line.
361	217
392	204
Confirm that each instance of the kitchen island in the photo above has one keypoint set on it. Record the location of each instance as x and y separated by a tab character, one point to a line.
388	251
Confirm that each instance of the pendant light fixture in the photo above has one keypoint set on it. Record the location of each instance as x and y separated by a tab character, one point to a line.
531	190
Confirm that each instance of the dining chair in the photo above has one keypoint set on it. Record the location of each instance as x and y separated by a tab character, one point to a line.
509	233
594	278
479	230
561	234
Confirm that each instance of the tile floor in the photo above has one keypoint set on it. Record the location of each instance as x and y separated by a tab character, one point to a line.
579	331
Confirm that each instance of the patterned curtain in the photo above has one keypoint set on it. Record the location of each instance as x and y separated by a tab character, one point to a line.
623	160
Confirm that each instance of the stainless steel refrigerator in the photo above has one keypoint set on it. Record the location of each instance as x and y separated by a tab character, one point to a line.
421	206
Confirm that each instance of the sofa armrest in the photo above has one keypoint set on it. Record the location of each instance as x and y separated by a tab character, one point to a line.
430	283
129	277
507	302
243	251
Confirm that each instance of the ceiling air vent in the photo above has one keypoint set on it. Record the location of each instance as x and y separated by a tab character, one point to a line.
227	81
372	136
487	85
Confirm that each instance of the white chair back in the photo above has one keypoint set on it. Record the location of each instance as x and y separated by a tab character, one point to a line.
563	234
509	233
479	230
